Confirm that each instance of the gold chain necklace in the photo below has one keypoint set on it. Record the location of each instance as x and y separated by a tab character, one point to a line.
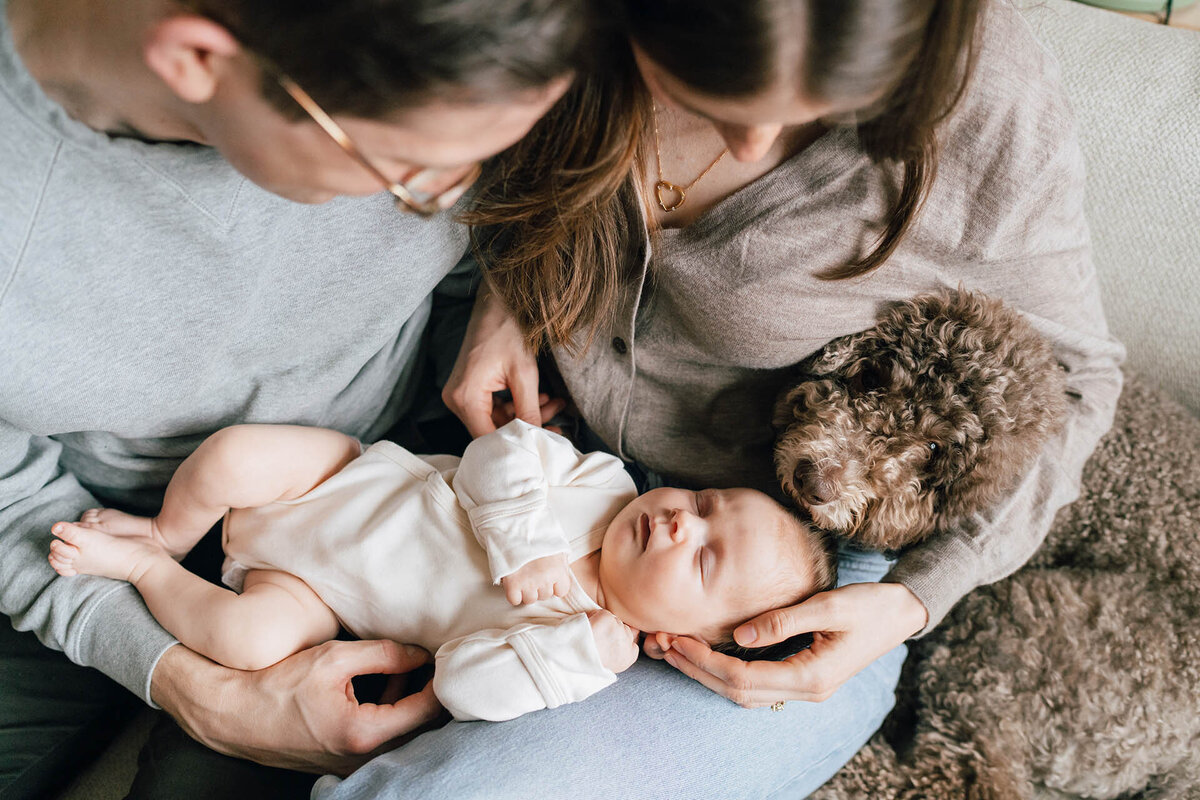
664	185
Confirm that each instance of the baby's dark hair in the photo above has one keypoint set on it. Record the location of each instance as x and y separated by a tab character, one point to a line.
819	548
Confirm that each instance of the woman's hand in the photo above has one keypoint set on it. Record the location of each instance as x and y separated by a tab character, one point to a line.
851	626
494	358
300	713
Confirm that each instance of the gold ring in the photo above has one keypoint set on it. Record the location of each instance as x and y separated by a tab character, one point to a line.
778	706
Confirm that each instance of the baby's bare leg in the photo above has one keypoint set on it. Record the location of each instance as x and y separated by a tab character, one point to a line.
246	466
277	614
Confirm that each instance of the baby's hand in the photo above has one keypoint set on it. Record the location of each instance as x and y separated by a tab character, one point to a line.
540	579
616	641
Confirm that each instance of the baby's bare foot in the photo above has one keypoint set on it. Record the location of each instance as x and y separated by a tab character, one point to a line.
118	523
83	550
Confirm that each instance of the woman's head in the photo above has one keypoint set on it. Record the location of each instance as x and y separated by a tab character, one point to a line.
414	83
769	63
557	216
896	68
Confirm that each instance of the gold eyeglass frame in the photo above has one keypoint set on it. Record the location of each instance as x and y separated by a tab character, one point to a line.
406	199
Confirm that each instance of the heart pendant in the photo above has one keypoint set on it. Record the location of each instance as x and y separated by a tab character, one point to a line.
667	186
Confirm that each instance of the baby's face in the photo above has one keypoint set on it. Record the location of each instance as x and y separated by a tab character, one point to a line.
686	563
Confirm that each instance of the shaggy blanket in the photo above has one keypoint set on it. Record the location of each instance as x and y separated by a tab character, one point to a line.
1079	675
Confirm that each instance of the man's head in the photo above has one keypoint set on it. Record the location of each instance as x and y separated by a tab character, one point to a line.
700	563
416	84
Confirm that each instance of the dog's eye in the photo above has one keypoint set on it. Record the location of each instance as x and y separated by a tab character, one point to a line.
933	447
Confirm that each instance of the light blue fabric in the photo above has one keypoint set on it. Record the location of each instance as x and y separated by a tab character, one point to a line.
655	733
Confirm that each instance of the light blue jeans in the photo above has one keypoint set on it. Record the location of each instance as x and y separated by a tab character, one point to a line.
654	733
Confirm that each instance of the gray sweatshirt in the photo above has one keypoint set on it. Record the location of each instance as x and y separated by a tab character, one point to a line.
721	309
150	295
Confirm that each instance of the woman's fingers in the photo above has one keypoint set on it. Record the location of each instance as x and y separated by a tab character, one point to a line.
550	407
679	661
468	395
821	612
522	381
751	684
493	358
851	627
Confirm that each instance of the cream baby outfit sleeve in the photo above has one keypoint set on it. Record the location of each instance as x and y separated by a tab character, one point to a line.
504	484
498	675
514	484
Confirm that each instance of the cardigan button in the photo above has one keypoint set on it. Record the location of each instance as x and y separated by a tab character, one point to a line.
619	345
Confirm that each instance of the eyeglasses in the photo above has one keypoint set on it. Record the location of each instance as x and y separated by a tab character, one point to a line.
407	199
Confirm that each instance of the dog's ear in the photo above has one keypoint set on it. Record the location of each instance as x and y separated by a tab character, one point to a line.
867	375
835	356
790	406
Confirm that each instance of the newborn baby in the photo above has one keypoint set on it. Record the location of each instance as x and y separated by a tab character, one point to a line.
318	535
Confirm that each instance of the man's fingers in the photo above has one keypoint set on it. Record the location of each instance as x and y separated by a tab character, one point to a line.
817	613
376	657
393	690
373	725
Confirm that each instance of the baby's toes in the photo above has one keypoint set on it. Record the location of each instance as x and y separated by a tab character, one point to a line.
91	516
68	532
62	568
64	551
62	557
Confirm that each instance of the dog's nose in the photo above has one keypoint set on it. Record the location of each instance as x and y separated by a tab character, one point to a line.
813	488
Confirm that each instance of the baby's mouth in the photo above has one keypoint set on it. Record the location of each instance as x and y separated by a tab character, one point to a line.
643	531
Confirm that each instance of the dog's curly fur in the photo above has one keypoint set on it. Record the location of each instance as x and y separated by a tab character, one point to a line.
933	414
1079	676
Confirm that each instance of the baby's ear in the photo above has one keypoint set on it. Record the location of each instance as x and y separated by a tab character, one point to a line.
656	645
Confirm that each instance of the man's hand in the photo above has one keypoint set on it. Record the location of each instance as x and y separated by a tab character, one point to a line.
616	641
851	626
300	713
540	579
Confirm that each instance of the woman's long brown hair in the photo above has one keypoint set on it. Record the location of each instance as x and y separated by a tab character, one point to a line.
554	217
559	212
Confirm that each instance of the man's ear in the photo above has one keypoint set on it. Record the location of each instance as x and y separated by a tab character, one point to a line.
187	52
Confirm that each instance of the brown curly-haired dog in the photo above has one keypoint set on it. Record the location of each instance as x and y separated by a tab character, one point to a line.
933	414
1079	675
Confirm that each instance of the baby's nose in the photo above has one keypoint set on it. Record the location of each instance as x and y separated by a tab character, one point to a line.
681	523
